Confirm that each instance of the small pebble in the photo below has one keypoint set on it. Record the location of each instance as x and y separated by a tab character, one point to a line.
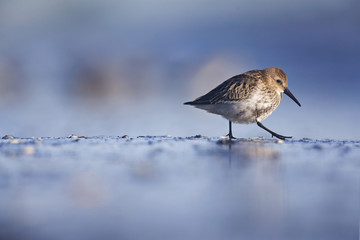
8	137
75	136
196	136
72	136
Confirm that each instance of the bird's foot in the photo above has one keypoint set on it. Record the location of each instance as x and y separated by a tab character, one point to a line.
230	136
280	136
273	134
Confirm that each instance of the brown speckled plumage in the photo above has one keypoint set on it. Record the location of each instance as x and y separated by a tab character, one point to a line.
247	98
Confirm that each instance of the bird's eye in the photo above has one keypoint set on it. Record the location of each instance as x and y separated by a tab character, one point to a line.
279	81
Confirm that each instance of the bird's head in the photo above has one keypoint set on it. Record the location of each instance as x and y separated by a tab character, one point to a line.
277	80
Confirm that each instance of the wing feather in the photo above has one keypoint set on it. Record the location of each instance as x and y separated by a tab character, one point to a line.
232	90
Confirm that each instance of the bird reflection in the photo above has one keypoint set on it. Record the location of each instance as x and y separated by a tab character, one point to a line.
242	151
256	175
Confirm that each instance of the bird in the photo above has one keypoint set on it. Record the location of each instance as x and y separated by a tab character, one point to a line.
247	98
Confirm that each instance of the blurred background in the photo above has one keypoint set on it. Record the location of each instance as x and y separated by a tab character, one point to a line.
125	67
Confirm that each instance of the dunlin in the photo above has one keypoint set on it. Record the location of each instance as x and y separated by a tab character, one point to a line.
247	98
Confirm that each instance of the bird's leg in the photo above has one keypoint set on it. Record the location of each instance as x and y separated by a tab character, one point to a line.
230	132
271	132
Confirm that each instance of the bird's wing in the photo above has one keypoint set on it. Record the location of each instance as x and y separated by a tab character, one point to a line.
232	90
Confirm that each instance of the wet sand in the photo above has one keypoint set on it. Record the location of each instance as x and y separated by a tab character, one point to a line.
163	187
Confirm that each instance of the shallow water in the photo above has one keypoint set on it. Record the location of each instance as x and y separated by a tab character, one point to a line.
178	188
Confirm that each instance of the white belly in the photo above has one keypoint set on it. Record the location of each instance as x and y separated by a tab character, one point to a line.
246	111
234	112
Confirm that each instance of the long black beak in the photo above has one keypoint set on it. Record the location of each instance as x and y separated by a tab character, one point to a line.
287	92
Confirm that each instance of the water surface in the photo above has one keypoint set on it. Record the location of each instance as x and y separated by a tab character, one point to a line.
178	188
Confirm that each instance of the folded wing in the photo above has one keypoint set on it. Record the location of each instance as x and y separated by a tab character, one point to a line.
232	90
